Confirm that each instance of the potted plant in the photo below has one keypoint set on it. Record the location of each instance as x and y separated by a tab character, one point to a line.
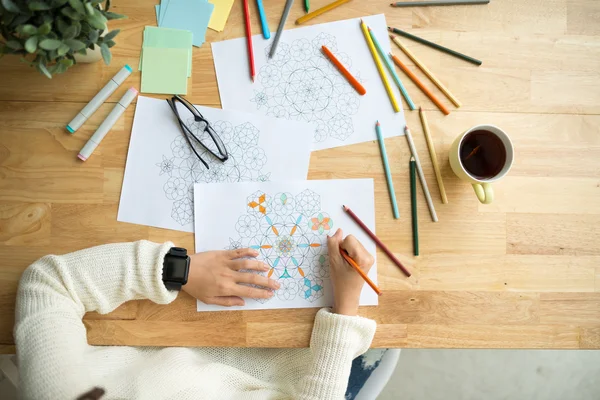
52	35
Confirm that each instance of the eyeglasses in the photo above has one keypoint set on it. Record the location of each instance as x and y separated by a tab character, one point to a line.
198	129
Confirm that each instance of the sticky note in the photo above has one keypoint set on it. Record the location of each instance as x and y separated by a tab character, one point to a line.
157	11
191	15
164	70
164	4
168	38
220	14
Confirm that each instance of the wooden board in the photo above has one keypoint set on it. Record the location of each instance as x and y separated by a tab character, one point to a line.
523	272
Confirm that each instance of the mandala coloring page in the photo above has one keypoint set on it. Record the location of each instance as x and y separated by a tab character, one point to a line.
300	84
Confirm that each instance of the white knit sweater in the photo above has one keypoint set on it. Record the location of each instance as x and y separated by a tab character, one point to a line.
56	362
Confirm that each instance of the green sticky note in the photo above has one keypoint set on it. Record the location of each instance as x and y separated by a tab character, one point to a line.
164	70
168	38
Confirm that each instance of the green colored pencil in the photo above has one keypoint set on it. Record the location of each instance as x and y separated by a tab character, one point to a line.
413	205
306	5
388	171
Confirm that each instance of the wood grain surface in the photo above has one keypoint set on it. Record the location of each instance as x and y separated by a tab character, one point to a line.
523	272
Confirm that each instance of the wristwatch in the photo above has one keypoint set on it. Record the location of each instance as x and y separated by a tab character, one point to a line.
176	267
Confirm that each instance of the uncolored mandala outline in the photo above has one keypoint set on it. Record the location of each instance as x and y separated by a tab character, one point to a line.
182	168
299	83
290	233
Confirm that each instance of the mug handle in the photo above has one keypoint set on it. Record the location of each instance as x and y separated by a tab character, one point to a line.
484	192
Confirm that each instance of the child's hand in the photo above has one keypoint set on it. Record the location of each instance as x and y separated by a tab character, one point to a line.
347	283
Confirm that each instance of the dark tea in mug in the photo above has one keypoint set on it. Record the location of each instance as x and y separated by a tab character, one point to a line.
482	154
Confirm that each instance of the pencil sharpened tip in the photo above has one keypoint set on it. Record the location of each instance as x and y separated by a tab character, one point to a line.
377	123
345	208
412	159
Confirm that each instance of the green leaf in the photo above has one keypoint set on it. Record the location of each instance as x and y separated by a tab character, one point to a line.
69	12
82	52
60	68
89	9
44	29
31	44
52	35
111	35
77	25
11	6
19	20
52	54
96	22
74	44
50	44
38	6
70	33
66	62
26	29
62	25
42	68
63	49
77	5
93	36
107	5
106	55
59	3
109	43
14	44
111	15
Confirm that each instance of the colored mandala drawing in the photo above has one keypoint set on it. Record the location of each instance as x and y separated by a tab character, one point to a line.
290	234
299	83
182	167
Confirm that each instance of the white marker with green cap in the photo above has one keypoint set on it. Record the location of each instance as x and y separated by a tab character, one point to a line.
107	124
99	99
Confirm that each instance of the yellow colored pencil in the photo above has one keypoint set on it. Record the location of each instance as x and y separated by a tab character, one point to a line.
434	161
426	71
384	79
320	11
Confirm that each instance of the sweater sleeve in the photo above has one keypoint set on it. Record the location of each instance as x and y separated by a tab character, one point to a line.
336	340
56	291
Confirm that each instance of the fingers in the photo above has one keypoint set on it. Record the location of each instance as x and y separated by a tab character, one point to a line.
357	252
240	253
333	245
253	265
251	292
254	279
227	301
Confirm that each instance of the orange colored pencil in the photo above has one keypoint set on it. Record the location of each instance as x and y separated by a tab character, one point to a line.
354	265
420	84
352	80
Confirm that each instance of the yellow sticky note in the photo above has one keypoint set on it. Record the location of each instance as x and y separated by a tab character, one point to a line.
220	14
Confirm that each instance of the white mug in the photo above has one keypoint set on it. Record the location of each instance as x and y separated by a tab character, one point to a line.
483	188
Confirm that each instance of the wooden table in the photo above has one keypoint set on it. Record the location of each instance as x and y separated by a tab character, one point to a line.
523	272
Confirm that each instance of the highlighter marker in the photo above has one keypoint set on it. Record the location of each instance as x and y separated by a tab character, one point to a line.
107	124
99	99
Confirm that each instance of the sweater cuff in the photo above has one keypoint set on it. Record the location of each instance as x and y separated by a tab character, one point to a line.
353	334
150	260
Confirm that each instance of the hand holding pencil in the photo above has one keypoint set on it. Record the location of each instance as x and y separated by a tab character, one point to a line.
347	282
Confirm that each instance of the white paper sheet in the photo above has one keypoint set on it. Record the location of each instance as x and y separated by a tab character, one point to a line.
288	223
161	169
299	83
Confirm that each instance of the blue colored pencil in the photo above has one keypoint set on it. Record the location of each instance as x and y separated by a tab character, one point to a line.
390	67
263	19
388	173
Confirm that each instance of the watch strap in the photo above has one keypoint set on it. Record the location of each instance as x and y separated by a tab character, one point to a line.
173	285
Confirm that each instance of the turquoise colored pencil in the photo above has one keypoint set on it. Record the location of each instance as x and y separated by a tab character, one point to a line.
263	20
388	173
390	67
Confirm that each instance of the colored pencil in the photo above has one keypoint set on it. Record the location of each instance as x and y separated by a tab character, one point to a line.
379	243
352	80
390	68
249	40
357	268
388	172
438	3
426	71
434	161
413	205
284	16
306	5
420	84
413	152
435	46
320	11
263	19
377	61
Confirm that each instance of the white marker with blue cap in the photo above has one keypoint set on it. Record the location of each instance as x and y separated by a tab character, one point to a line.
99	99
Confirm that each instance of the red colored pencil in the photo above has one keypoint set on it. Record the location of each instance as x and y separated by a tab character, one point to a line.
249	40
354	265
376	240
352	80
420	84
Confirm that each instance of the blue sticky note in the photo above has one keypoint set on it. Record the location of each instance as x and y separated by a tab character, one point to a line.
157	10
191	15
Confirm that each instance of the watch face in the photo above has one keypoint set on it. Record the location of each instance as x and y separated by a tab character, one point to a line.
174	268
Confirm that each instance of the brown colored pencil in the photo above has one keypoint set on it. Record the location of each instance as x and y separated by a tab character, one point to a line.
420	84
354	265
376	240
352	80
